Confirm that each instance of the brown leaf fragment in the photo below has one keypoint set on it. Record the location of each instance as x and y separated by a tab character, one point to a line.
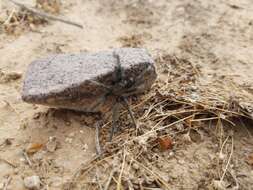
165	143
33	148
250	159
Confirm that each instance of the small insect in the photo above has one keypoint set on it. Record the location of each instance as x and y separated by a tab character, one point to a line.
90	82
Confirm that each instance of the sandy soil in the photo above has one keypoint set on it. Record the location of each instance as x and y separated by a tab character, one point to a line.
216	36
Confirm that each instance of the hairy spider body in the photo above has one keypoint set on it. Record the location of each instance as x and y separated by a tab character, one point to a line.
121	88
89	82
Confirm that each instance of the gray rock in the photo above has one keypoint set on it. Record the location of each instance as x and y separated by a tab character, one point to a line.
77	81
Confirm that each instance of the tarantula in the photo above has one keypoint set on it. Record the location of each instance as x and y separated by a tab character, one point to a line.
121	88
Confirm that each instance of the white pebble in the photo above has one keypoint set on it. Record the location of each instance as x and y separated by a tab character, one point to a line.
32	182
85	147
136	166
68	140
171	154
71	134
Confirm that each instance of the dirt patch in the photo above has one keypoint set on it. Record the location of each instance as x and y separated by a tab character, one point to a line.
201	102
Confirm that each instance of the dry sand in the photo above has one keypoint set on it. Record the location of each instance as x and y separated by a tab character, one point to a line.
216	36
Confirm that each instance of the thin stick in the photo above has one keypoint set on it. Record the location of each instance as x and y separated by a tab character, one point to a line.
229	159
158	178
204	119
8	162
98	147
7	183
27	158
125	103
7	21
213	118
115	117
45	15
130	185
84	168
223	144
98	181
109	179
166	126
121	171
235	179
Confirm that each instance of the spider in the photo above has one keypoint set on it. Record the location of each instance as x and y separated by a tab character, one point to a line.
56	82
120	88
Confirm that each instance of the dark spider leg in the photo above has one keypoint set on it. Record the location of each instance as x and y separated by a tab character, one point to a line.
126	105
118	69
115	118
100	101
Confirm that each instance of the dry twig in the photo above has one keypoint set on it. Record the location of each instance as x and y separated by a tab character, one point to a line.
8	162
98	147
27	158
229	159
45	15
109	179
7	182
121	171
98	181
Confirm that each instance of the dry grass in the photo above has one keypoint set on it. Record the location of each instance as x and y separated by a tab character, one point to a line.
50	6
179	105
17	21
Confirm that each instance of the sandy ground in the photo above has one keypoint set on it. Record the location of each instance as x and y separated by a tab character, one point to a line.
216	36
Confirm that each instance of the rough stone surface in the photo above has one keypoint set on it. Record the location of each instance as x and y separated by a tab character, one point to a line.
64	80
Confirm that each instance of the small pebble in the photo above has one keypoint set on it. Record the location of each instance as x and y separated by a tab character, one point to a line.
39	155
16	170
68	140
56	182
135	166
85	147
72	134
68	123
32	182
222	156
219	185
171	154
51	144
160	165
22	160
181	162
